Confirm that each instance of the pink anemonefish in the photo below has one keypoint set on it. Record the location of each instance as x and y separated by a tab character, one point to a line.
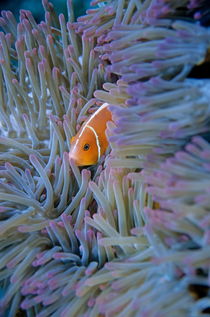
90	142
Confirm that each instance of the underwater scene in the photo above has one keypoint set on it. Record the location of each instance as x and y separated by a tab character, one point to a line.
105	158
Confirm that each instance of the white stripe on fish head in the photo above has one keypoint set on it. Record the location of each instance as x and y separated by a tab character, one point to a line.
86	125
97	140
91	118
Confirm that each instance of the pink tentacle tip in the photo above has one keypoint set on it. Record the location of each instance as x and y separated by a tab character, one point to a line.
109	266
86	173
14	279
39	285
33	158
22	228
2	21
26	303
48	301
25	116
91	302
8	165
38	299
58	255
66	218
65	292
87	213
89	271
90	234
115	286
35	263
78	233
65	154
15	81
52	224
60	224
40	255
53	284
11	264
71	160
157	260
25	291
42	66
136	231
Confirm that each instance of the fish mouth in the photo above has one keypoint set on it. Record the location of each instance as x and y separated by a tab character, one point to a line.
73	158
77	162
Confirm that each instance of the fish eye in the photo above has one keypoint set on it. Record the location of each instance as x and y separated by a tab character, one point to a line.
86	147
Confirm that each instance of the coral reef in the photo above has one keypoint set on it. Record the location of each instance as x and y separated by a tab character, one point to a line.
129	236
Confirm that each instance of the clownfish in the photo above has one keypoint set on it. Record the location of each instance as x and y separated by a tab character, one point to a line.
90	142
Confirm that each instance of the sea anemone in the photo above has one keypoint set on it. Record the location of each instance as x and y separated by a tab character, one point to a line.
130	235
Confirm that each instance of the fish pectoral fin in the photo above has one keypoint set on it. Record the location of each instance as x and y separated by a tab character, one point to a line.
72	139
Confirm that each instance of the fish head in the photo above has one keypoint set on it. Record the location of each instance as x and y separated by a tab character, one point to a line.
84	148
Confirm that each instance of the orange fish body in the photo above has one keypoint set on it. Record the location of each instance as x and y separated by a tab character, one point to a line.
90	142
